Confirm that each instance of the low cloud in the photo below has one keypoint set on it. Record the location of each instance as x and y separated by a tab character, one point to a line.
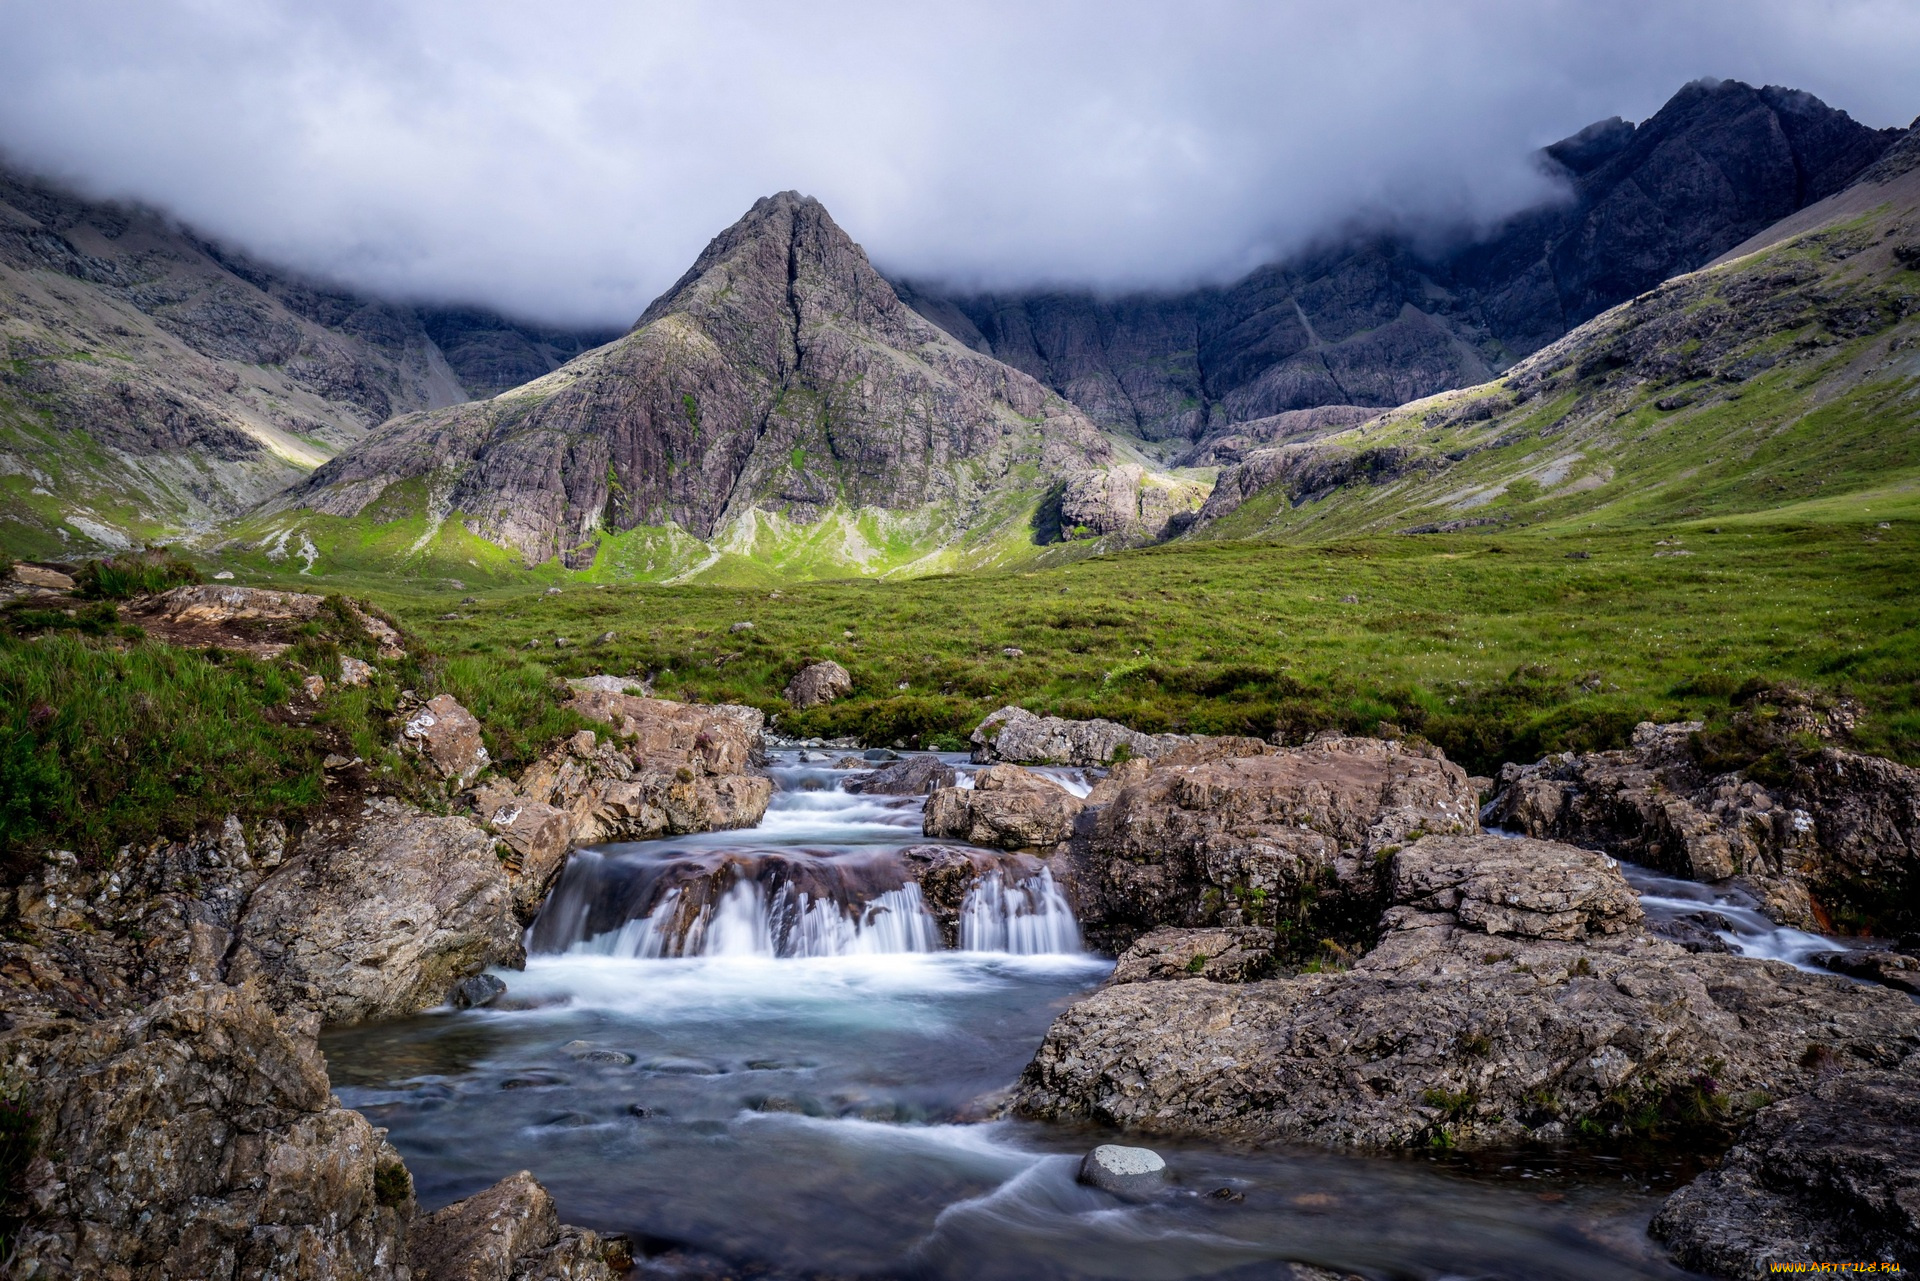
568	161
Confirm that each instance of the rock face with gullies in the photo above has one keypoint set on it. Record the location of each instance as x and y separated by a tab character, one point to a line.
1127	502
1380	320
818	683
1018	737
198	1138
509	1232
779	382
1007	807
229	379
378	916
1829	1175
1227	832
1300	473
1840	828
1512	996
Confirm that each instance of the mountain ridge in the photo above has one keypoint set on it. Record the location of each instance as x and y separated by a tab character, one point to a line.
780	401
1378	321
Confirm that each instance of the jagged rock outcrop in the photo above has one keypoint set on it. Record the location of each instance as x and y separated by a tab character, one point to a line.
1381	320
378	916
198	1139
1126	502
779	382
1826	1176
1229	832
1512	996
1016	736
1295	426
228	379
508	1232
254	620
1302	473
1840	826
1007	807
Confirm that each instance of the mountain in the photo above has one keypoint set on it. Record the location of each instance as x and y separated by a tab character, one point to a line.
778	409
152	381
1381	319
1784	378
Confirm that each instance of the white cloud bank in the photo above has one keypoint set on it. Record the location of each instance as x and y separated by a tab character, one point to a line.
568	160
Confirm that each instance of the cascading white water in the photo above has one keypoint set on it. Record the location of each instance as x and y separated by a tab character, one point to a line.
1030	917
748	922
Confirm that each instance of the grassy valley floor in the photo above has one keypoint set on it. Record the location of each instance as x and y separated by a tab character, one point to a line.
1498	647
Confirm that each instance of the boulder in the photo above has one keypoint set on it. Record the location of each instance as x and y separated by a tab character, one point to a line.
1839	827
1225	832
43	577
354	671
1007	807
379	916
1826	1176
914	776
1124	1171
198	1138
448	736
1569	1017
722	738
1016	735
818	683
477	992
672	777
1233	954
508	1232
1895	969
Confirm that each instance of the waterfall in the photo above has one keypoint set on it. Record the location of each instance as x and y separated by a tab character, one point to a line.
1029	917
747	921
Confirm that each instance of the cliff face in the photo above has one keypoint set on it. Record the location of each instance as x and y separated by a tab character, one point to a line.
151	381
1381	321
781	385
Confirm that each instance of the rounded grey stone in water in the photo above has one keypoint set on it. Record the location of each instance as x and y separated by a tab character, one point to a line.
1124	1171
481	989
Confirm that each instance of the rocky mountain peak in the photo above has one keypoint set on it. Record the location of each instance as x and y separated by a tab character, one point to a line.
780	383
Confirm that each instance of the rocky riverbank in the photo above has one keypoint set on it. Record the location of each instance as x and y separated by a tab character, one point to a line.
1319	944
159	1008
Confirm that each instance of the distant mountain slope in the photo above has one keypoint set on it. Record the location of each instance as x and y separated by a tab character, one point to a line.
1784	381
1378	322
151	381
779	410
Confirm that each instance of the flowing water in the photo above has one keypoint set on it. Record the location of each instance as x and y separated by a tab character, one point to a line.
760	1054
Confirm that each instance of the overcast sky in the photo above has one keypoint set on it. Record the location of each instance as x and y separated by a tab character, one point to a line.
568	160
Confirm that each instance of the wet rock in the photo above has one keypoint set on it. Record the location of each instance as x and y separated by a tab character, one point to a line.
509	1232
1696	931
1895	969
1237	954
945	873
197	1138
1016	735
1228	832
379	916
477	992
1443	1031
1124	1171
448	735
1841	825
914	776
1826	1176
818	683
1007	807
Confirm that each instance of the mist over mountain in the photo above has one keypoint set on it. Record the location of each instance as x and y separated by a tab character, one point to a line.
564	165
1380	319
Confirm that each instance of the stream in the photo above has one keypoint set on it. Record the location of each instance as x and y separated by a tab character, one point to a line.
756	1054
